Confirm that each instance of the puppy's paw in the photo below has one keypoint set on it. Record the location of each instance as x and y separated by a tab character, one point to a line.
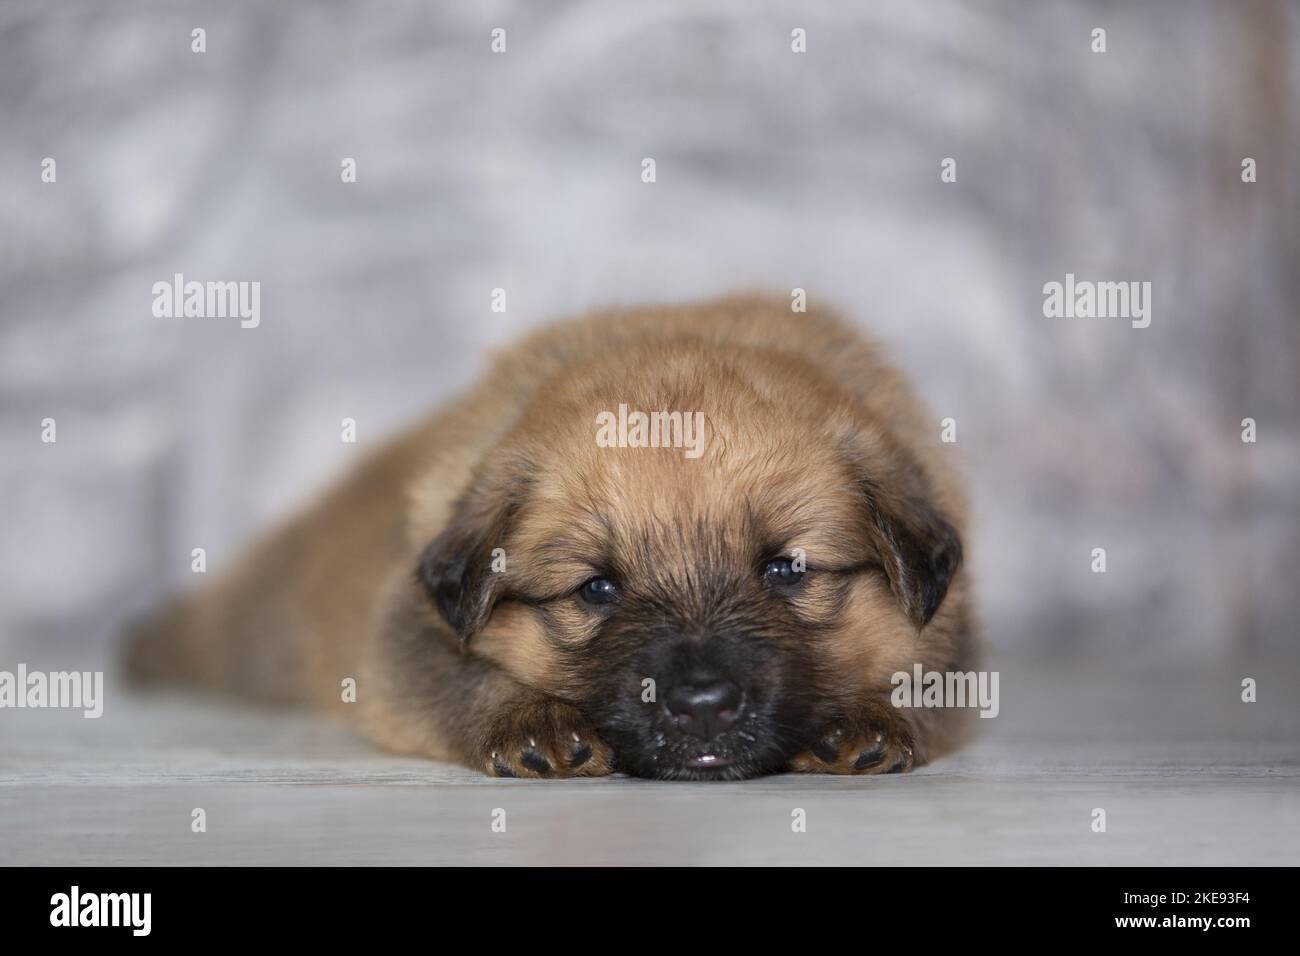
544	739
860	746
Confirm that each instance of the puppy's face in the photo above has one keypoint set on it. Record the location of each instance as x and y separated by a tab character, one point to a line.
708	614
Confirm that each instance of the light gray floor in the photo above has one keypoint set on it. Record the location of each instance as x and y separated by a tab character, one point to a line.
1187	774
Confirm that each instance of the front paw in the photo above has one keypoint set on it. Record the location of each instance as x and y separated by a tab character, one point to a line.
860	745
545	738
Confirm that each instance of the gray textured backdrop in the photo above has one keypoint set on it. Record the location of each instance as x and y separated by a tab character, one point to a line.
774	169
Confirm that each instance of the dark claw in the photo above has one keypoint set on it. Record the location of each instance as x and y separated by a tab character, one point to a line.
580	754
899	766
869	758
535	761
500	769
826	751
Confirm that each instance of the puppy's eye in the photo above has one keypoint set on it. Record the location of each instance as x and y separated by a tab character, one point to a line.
781	571
598	591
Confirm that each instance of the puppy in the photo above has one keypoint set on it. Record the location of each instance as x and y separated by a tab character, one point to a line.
680	542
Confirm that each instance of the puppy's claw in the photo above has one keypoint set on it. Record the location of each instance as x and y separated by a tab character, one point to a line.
580	754
534	761
827	751
869	758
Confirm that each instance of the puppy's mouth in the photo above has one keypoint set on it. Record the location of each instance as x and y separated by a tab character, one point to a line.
709	761
725	758
707	765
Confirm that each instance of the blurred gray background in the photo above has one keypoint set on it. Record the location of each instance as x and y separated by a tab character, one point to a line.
775	170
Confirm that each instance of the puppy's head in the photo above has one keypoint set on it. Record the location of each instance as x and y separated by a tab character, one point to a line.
709	613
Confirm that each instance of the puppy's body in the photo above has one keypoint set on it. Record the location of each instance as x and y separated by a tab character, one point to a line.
446	574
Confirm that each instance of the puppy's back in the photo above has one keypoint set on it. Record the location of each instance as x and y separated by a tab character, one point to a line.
287	621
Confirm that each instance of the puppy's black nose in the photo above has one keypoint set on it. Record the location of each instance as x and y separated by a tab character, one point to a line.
704	709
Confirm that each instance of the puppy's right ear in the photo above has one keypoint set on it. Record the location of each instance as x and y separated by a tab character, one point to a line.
456	568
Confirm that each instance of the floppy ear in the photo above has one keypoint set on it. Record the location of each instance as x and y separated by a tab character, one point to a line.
456	567
919	549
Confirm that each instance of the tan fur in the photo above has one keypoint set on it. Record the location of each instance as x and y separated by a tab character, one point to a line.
332	594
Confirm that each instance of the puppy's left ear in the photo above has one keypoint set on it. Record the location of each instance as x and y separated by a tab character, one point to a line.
456	567
921	551
918	547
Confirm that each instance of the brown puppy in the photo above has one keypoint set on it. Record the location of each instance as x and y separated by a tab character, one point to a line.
520	584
